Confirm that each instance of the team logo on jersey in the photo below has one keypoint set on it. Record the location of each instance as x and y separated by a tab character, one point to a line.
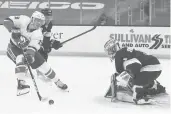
157	43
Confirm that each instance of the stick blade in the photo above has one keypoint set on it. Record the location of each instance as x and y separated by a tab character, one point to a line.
44	99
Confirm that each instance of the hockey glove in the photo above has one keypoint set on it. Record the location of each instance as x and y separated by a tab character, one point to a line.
30	55
56	44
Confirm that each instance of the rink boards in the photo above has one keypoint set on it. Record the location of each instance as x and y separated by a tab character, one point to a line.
151	40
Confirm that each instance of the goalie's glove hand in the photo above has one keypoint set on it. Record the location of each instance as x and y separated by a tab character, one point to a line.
56	44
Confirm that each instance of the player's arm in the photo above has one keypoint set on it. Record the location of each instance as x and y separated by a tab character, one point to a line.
47	33
12	22
9	24
119	61
12	27
133	64
34	45
46	40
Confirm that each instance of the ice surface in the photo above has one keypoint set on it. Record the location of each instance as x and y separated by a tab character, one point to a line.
87	78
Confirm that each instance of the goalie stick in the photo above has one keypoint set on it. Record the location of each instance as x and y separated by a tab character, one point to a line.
113	88
78	35
33	79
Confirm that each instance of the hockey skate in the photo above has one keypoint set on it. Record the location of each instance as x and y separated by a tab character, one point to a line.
22	88
61	85
156	89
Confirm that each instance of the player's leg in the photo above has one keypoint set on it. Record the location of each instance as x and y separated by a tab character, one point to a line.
39	74
145	79
149	82
152	71
14	53
41	65
43	54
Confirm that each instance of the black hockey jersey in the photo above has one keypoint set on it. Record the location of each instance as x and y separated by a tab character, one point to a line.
126	54
46	30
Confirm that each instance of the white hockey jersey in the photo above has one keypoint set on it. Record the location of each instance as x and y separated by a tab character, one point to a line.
21	22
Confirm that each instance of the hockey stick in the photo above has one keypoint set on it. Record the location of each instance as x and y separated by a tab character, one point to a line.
78	35
33	79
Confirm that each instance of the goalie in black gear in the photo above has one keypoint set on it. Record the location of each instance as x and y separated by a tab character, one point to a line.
48	43
136	72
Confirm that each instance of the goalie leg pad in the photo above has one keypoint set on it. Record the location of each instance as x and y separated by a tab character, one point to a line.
125	79
118	83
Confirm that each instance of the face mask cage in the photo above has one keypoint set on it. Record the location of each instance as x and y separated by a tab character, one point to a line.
111	48
37	23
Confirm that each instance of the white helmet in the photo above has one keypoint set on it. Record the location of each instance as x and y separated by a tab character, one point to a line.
37	19
111	47
38	15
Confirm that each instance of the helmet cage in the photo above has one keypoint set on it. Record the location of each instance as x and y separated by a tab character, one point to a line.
111	48
37	23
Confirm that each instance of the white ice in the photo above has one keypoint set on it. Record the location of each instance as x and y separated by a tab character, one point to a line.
88	79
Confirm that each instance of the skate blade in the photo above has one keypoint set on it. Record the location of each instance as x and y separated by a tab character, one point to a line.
66	90
23	92
20	94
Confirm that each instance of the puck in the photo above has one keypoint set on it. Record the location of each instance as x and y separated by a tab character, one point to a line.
51	102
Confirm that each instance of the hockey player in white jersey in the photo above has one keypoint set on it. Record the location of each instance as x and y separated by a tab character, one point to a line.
26	35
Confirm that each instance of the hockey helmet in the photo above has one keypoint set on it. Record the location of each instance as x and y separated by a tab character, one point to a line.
37	19
111	47
46	12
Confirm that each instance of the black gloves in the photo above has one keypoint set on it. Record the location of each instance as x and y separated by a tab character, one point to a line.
56	44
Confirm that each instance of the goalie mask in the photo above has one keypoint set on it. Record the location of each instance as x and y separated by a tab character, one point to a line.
111	47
